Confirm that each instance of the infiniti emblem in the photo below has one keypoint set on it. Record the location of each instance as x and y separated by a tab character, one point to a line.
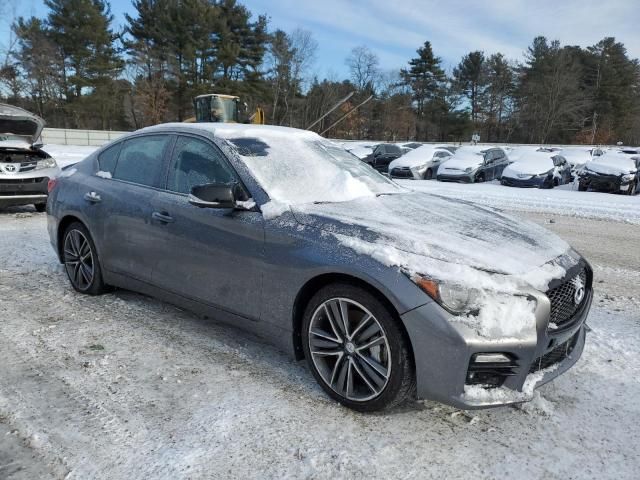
579	291
579	295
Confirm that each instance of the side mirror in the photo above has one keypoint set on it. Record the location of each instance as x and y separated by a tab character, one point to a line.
213	195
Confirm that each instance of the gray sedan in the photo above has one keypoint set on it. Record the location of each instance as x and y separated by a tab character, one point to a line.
387	293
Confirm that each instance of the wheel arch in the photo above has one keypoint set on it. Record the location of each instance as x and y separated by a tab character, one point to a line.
316	283
62	226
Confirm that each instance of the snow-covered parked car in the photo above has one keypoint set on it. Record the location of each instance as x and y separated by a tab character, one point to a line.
419	164
613	172
540	168
474	164
386	292
25	169
579	156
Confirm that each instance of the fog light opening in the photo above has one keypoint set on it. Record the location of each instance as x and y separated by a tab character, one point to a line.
491	369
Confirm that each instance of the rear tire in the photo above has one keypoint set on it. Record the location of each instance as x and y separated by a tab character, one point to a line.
81	261
363	363
40	207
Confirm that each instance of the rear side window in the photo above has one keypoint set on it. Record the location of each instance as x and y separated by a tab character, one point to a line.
107	160
196	162
141	159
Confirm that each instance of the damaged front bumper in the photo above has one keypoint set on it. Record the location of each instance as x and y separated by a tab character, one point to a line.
444	352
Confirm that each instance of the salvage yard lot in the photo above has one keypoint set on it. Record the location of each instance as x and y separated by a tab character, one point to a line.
123	386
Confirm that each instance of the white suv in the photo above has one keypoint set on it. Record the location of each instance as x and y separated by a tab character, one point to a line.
25	170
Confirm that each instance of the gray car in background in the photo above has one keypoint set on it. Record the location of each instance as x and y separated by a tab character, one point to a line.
387	293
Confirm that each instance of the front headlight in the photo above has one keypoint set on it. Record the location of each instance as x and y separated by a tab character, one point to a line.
468	170
452	297
627	178
46	163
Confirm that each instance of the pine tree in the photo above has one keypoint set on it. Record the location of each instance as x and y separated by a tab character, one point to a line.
469	78
426	79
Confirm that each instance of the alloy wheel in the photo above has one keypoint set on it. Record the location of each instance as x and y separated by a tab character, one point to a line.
78	259
349	349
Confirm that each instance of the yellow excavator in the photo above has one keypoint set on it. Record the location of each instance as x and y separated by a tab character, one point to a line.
217	107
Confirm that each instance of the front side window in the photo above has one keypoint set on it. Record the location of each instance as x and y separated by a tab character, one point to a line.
141	159
196	162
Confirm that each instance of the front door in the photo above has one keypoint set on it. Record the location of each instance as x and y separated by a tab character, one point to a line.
214	256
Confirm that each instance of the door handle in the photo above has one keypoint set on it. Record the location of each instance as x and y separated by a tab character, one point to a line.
92	197
162	217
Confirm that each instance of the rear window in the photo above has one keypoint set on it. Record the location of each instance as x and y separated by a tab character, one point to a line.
107	160
141	160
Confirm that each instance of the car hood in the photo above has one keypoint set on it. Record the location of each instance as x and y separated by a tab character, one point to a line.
437	236
408	162
608	168
19	128
463	162
530	168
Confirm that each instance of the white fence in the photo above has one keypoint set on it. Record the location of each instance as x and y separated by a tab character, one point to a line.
66	136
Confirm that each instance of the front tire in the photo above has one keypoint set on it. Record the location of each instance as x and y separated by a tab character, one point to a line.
81	260
356	349
40	207
428	175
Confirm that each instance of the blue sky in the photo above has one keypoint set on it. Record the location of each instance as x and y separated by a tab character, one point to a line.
394	30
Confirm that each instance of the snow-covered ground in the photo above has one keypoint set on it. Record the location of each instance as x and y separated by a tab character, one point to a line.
123	386
563	200
68	154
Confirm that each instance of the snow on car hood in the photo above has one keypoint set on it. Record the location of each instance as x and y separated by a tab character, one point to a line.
530	167
19	128
446	239
461	162
414	158
611	165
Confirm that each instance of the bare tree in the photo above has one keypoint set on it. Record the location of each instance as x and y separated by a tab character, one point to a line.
290	58
364	66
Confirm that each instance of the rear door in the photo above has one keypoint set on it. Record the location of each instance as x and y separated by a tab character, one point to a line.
488	168
214	256
125	194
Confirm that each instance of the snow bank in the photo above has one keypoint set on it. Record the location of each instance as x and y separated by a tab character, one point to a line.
563	200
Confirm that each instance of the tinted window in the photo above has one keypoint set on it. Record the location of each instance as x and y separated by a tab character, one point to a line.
107	159
140	160
196	162
393	149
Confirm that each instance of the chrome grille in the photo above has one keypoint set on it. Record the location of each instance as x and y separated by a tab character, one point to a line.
28	166
562	298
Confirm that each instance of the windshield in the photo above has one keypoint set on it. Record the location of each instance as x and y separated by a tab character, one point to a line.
295	167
